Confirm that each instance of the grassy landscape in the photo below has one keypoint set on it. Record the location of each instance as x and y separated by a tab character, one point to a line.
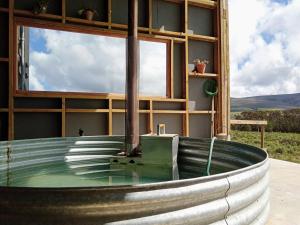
283	146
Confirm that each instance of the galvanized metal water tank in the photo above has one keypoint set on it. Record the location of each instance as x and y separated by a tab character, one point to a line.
236	193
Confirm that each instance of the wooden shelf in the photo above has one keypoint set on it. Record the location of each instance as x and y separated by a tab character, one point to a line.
201	112
3	110
88	22
169	111
87	110
199	37
3	59
33	110
29	13
4	10
204	3
123	111
204	75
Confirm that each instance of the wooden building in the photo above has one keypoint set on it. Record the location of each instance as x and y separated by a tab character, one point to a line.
190	28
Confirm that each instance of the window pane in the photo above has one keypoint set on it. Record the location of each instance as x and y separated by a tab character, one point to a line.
76	62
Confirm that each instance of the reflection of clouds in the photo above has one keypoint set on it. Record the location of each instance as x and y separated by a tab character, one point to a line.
90	63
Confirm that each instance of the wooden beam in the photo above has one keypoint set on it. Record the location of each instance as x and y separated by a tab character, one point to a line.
203	3
4	59
150	16
109	13
204	75
172	70
87	110
198	37
63	117
63	10
11	69
262	137
151	130
110	118
249	122
186	119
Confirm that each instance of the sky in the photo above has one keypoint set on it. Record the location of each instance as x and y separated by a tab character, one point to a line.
264	55
264	47
75	62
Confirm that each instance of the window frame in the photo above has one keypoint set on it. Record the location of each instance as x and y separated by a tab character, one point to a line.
35	23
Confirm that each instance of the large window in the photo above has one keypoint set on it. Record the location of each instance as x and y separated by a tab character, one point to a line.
63	61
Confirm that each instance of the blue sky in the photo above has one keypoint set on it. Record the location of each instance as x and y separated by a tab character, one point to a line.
264	50
264	47
67	61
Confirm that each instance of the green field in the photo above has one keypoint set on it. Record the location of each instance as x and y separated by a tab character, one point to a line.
284	146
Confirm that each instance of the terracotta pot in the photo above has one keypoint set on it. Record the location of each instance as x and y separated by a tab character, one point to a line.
89	15
201	68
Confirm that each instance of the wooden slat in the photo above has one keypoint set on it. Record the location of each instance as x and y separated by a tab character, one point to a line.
33	110
5	10
3	110
201	112
63	117
169	111
11	126
172	70
109	13
203	3
43	15
110	118
150	121
249	122
123	111
204	75
150	17
63	10
87	22
87	110
198	37
4	60
186	118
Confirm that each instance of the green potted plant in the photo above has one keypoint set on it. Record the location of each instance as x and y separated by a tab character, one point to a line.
87	13
200	65
41	6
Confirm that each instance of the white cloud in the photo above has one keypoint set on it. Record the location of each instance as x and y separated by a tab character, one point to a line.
264	47
90	63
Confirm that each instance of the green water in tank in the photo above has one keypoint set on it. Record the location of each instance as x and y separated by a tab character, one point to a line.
84	175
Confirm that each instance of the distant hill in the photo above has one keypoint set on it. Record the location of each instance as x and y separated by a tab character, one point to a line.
287	101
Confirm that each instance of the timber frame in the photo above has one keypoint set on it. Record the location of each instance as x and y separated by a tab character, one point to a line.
16	106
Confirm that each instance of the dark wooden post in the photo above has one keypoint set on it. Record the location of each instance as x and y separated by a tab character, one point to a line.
132	81
262	136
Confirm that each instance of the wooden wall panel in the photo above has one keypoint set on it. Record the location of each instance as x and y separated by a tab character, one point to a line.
37	125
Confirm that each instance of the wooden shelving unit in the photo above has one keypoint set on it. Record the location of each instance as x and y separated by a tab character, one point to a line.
178	39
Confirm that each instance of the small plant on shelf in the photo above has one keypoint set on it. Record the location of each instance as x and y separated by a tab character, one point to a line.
87	13
200	66
40	7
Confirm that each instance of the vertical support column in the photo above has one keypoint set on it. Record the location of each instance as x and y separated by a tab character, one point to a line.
186	88
225	76
150	122
63	10
11	68
109	14
110	118
63	117
262	136
150	9
132	81
172	70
